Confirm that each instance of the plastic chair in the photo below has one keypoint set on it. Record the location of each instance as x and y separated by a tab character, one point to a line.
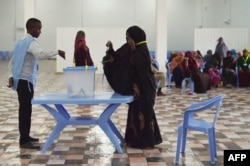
203	67
237	76
169	75
184	84
192	123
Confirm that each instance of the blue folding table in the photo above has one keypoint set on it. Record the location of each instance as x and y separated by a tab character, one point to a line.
63	118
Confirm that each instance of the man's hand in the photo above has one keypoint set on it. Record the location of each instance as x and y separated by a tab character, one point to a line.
10	82
61	53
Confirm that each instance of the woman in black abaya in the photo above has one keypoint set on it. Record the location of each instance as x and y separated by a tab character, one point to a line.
142	130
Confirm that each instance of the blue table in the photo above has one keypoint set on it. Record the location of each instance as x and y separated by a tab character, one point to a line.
63	118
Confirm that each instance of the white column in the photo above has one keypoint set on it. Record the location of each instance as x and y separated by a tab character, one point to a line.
24	10
29	9
161	33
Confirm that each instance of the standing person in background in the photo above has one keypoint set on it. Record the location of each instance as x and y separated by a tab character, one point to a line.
142	130
221	49
81	53
22	77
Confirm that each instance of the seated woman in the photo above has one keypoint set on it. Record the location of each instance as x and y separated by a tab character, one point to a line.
208	56
81	53
172	56
234	54
228	70
212	68
193	60
176	68
200	79
244	69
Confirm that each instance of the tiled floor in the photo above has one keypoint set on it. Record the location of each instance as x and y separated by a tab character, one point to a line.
88	145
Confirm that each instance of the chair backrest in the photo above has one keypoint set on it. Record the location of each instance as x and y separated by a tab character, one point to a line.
168	65
237	75
202	106
203	66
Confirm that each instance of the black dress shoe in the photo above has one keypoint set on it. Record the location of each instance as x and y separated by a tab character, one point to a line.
29	145
31	139
160	94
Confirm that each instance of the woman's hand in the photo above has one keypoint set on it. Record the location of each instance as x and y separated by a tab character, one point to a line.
109	45
61	53
131	42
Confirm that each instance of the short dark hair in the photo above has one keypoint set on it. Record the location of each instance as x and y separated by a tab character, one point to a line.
31	22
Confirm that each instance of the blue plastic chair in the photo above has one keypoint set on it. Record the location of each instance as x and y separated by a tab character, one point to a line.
184	84
191	122
237	76
203	67
169	75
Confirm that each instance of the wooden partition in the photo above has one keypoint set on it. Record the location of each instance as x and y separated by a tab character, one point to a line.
206	38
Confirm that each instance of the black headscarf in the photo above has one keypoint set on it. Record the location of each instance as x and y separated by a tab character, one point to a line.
136	33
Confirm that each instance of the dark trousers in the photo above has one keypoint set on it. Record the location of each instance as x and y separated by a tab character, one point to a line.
178	76
25	93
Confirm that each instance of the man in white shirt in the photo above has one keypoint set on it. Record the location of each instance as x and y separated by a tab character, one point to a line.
22	77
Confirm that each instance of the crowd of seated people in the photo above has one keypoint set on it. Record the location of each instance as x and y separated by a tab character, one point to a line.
213	68
185	65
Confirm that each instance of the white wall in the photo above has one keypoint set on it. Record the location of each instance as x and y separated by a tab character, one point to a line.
183	17
10	25
234	38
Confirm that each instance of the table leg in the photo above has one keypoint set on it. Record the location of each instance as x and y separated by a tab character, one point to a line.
63	119
116	131
108	131
54	134
61	123
109	128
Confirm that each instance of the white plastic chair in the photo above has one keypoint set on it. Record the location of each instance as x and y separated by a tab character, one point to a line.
190	122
